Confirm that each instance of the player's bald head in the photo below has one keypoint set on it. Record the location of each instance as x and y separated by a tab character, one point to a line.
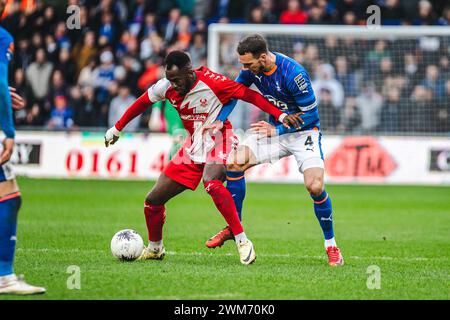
254	44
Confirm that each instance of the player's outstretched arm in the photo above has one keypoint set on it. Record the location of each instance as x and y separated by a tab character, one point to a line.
307	118
136	108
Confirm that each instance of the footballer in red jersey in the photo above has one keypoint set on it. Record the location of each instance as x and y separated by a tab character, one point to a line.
198	96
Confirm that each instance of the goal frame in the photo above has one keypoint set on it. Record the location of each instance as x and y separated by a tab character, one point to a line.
366	32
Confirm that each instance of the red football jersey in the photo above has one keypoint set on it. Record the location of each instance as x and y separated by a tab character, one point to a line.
202	104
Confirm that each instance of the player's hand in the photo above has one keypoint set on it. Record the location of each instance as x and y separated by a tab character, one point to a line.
215	127
8	145
17	101
111	136
293	120
263	129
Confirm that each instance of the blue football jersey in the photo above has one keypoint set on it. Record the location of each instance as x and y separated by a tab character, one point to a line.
288	87
6	114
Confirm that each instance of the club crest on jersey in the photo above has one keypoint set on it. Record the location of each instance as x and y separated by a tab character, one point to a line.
300	82
278	86
203	102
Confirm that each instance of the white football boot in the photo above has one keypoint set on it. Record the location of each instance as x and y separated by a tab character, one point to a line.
17	285
247	253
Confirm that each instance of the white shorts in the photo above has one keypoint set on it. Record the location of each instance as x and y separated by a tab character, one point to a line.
304	145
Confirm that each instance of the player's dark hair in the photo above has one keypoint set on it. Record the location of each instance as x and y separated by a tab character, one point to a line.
254	44
177	58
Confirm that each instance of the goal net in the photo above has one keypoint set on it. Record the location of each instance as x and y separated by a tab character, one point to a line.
387	81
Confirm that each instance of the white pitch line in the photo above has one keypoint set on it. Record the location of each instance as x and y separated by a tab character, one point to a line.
275	255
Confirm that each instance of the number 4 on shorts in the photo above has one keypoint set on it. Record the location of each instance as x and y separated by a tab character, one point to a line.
309	141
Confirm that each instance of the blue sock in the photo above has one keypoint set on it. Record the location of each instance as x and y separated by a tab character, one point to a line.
8	227
323	210
236	186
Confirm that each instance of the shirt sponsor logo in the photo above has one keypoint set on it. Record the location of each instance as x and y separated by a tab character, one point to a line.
193	117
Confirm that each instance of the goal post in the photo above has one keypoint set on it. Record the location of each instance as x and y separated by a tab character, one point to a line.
389	80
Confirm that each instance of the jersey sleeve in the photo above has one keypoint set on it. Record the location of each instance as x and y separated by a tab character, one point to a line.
299	86
137	107
245	78
157	92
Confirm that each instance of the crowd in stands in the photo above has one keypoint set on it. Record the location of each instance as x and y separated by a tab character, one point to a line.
86	76
367	86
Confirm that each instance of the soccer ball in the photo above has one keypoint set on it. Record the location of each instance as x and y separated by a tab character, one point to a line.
127	245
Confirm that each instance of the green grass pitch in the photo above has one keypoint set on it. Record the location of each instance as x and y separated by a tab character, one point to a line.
404	230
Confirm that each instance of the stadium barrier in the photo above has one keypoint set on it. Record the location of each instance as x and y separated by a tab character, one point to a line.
348	159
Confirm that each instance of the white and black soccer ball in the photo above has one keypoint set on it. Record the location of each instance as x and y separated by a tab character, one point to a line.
127	245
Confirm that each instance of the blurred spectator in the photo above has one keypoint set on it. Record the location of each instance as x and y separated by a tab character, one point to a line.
329	116
369	103
38	75
293	14
184	33
392	12
391	112
268	11
349	18
149	25
65	63
104	74
426	14
422	109
61	116
153	71
86	108
358	7
325	80
411	69
432	81
118	106
85	51
171	26
57	88
86	77
234	10
107	32
61	37
444	20
151	47
197	50
345	77
256	15
351	117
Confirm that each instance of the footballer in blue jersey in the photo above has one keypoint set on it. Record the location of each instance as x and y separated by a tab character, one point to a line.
285	83
10	198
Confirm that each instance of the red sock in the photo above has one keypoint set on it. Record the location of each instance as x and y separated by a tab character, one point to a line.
155	216
225	204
